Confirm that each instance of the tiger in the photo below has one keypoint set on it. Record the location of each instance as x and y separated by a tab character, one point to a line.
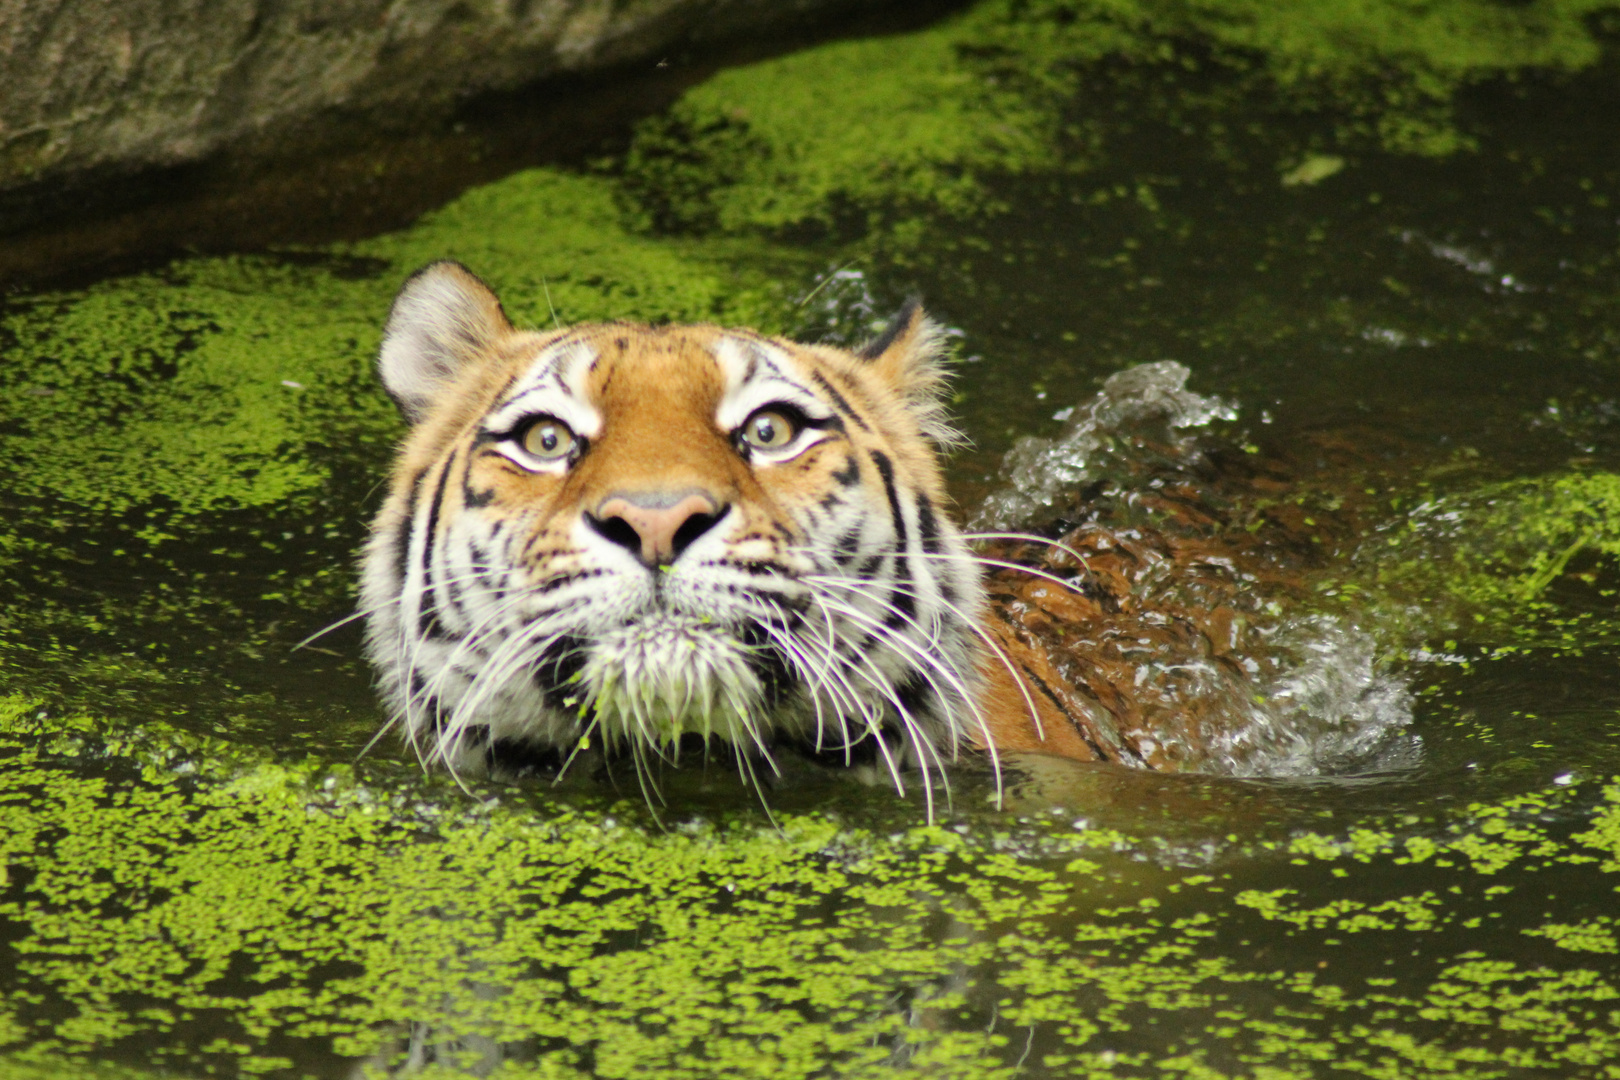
637	537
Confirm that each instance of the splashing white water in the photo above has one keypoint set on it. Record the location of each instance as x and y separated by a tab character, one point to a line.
1331	708
1311	698
1150	400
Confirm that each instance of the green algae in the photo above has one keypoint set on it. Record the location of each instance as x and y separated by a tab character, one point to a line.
208	908
1524	563
235	382
862	133
247	916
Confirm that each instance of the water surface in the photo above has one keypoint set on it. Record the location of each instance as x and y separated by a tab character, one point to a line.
1419	431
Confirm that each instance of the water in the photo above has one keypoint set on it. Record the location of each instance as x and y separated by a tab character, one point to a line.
1341	502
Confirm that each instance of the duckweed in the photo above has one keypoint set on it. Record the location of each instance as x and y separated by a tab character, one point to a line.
924	119
236	382
186	452
248	916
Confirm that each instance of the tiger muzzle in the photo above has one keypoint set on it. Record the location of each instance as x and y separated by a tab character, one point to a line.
655	526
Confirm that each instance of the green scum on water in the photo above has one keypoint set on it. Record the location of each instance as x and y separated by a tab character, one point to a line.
199	881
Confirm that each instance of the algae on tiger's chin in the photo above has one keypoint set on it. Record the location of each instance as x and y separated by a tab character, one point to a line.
647	685
227	913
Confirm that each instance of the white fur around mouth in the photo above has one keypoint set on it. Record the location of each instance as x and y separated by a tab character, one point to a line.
665	677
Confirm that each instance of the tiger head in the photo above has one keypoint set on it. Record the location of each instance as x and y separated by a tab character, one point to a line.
635	534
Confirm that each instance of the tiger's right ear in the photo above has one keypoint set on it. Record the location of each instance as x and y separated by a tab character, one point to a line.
443	317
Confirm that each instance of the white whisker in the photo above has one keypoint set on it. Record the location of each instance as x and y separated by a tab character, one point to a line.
1002	564
966	694
1030	538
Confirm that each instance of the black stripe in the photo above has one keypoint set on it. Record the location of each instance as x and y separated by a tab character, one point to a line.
850	475
914	692
885	469
820	423
402	543
473	500
553	675
898	325
429	704
454	591
927	525
847	546
904	603
768	663
427	622
758	357
507	385
1080	729
552	584
839	400
754	567
903	599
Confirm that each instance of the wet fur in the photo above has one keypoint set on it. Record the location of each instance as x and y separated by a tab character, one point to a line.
833	602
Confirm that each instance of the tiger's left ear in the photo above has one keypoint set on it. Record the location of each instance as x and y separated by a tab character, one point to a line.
909	356
443	317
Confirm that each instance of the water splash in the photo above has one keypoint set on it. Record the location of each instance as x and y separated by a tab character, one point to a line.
1139	416
1330	708
1196	634
838	309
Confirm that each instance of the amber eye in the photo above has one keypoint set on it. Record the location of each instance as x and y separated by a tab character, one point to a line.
769	429
548	439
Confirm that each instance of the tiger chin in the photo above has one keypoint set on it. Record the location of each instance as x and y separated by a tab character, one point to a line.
631	537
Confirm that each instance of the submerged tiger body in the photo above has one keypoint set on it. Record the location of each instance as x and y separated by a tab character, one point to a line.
629	536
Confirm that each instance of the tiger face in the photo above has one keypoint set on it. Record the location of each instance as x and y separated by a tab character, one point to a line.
633	535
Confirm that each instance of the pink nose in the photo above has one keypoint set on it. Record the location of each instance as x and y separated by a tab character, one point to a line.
655	526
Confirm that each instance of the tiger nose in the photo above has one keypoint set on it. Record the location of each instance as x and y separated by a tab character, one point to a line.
655	526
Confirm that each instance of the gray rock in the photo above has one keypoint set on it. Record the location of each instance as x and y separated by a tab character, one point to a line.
96	86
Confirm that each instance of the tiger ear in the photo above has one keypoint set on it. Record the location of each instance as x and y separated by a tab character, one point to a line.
909	356
443	317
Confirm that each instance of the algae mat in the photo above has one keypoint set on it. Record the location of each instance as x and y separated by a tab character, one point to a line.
1386	233
248	920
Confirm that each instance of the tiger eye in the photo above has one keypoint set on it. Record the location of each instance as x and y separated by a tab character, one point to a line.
548	440
768	430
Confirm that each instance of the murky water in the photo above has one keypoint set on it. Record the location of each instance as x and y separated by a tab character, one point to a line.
1377	522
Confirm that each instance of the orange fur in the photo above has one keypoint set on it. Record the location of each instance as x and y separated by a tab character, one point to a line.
657	414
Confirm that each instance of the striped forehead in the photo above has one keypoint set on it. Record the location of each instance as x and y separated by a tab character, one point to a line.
553	384
758	373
